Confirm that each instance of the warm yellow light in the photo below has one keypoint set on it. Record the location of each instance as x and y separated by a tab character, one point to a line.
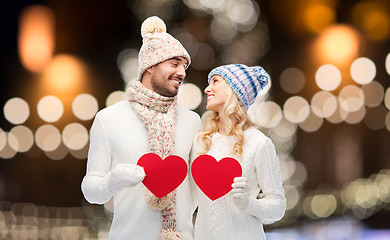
318	16
338	44
36	37
65	73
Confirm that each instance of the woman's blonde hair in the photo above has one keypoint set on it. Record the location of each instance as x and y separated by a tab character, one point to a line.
237	121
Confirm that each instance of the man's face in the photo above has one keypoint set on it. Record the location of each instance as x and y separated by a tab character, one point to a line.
167	76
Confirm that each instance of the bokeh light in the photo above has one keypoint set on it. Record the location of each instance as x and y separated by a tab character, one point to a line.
8	152
50	108
268	114
318	16
387	63
373	94
85	106
338	116
296	109
337	44
115	97
127	61
24	137
373	19
64	74
363	70
328	77
16	110
75	136
36	37
312	123
47	137
323	104
323	205
189	96
3	139
356	117
376	117
58	154
292	80
387	98
351	98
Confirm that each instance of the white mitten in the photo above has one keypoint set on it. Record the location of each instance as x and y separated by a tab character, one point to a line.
125	175
240	192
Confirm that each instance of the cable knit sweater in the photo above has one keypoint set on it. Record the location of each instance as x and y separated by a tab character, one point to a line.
221	219
119	136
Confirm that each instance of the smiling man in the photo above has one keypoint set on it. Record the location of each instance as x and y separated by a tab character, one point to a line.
150	120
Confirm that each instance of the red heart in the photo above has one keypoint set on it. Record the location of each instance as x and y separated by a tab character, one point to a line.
214	178
162	176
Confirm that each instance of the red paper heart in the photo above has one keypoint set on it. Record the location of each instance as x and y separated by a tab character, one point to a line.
214	178
162	176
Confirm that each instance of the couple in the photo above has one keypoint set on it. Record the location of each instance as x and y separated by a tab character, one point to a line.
152	121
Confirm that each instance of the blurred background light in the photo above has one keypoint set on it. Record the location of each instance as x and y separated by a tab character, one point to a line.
204	57
127	61
8	152
24	137
312	123
64	74
3	139
115	97
363	70
292	80
351	98
338	44
373	94
75	136
323	205
376	117
57	154
318	16
338	116
372	18
387	63
356	116
296	109
268	114
47	137
189	96
85	106
36	37
328	77
323	104
50	108
16	110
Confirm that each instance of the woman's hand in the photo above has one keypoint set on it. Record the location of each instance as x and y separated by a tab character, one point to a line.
240	192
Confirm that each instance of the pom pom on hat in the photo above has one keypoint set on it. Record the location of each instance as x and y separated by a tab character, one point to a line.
246	81
158	45
153	25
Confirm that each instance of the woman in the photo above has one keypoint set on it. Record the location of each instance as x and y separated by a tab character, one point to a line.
228	132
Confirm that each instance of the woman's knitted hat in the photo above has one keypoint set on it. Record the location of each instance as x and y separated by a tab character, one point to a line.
158	45
246	81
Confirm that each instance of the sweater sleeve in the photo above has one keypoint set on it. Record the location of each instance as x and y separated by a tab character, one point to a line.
95	183
272	206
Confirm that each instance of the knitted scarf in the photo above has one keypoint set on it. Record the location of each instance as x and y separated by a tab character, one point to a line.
159	115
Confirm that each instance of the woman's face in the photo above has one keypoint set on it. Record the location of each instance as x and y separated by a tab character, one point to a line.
216	94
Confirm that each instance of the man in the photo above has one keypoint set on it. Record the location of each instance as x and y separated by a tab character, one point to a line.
149	121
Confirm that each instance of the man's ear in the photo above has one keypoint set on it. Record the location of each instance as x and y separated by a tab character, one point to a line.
150	69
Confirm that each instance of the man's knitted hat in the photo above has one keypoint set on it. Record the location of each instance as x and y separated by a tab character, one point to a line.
158	45
245	81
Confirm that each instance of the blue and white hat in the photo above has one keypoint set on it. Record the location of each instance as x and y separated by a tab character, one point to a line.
246	81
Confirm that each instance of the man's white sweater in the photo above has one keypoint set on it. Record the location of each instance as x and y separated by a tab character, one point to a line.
118	135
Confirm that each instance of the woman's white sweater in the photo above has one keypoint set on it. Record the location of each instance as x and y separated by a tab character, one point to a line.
119	136
221	219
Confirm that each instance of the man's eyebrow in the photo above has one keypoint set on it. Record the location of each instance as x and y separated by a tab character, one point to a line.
176	58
